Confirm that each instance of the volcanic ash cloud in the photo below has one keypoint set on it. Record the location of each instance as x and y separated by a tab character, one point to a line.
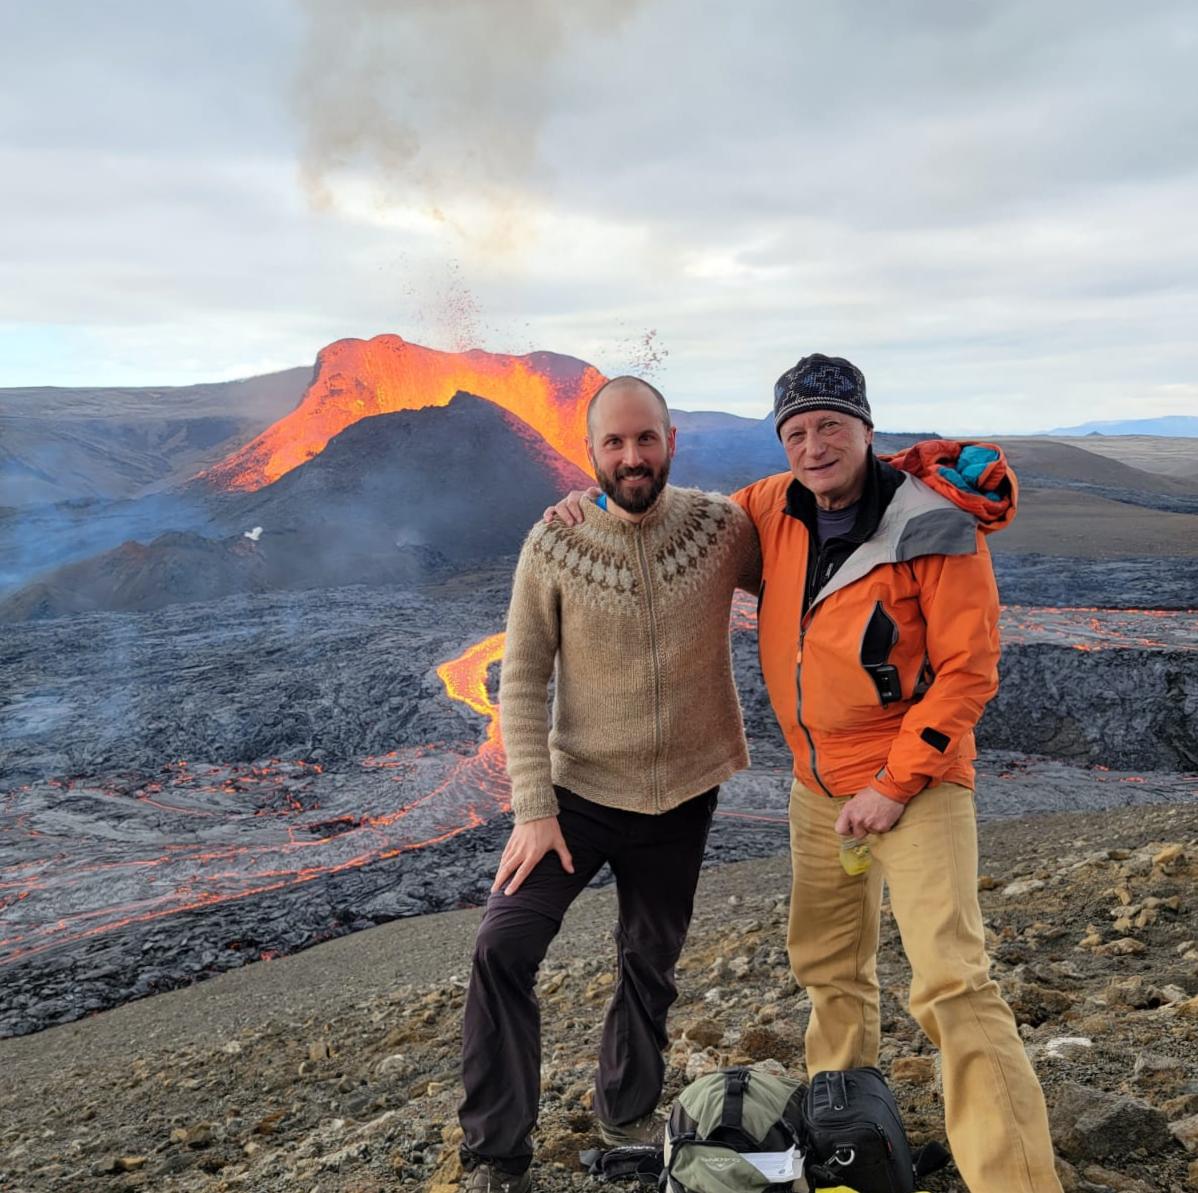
436	102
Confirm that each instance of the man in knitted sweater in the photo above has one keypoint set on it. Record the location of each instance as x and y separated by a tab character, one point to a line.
628	611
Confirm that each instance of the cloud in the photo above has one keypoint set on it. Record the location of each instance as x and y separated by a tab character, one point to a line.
988	207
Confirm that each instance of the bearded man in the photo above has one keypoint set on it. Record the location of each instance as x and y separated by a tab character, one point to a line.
629	611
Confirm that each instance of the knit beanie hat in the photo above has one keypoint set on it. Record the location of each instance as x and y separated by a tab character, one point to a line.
821	382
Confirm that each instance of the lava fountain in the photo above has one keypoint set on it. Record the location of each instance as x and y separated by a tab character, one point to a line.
355	379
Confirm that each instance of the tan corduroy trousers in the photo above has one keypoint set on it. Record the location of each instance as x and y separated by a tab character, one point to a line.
995	1115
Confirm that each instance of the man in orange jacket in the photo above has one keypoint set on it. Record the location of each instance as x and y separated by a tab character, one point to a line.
878	635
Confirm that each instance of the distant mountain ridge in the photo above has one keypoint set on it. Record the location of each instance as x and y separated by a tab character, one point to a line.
1169	425
101	506
109	442
393	499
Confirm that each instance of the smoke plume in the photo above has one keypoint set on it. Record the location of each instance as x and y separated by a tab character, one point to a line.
439	103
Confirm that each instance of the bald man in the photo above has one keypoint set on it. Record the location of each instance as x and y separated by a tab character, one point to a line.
629	612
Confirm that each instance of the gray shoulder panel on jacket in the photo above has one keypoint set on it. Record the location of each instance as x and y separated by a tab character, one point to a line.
946	531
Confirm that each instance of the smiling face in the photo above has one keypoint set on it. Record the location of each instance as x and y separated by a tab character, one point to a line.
631	445
828	454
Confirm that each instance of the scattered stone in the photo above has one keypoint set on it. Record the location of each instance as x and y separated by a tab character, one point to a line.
1090	1124
1033	1003
390	1070
761	1043
917	1070
1106	1178
1125	946
1068	1047
1134	992
199	1136
269	1124
1155	1072
1023	886
700	1063
1181	1106
1185	1131
704	1032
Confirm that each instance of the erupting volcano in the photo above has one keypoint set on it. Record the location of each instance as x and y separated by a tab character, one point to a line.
358	378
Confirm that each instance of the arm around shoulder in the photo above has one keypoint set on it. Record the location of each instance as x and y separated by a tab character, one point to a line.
748	550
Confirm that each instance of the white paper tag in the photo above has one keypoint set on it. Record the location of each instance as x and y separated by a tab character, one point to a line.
777	1166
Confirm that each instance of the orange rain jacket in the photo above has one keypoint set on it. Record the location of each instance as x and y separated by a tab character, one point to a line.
879	675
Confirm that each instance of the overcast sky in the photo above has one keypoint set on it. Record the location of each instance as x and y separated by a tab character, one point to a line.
988	207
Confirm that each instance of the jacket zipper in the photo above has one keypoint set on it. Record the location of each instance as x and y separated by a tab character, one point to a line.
658	733
803	624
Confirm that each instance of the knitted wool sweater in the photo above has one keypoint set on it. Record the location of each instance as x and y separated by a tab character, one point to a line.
634	619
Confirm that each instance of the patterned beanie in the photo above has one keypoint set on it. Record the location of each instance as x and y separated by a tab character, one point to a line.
821	382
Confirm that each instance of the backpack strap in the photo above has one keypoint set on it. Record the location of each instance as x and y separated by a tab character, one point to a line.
793	1119
639	1162
736	1081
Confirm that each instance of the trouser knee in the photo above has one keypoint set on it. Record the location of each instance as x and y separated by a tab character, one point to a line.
655	953
513	945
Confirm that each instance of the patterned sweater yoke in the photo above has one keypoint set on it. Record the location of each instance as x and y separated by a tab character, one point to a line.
632	621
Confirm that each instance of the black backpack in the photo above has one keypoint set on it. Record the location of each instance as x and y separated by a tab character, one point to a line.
855	1137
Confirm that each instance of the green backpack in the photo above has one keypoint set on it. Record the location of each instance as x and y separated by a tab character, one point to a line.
723	1115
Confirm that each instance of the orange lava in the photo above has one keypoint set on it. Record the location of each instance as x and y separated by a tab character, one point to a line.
465	679
477	788
358	378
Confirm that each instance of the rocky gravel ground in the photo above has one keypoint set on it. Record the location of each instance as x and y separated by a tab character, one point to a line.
335	1071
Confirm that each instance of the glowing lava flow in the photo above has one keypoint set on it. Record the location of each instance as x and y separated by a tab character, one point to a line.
1102	629
358	378
82	859
477	788
54	895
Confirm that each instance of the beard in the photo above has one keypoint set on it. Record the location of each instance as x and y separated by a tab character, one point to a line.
635	499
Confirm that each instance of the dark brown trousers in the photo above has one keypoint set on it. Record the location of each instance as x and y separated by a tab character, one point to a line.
655	860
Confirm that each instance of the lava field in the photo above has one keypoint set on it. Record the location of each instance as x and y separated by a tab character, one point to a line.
211	784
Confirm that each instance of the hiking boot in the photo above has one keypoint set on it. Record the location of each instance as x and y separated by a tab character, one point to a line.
646	1129
487	1179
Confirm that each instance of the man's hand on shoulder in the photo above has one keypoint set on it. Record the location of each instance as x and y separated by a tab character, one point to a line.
868	811
568	511
528	843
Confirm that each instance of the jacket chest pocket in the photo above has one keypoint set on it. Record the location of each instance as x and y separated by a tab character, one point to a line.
891	650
